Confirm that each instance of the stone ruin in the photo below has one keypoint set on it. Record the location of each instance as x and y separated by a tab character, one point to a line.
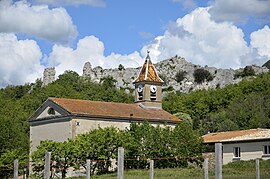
48	76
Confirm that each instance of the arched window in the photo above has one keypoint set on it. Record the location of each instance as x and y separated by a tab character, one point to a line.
51	111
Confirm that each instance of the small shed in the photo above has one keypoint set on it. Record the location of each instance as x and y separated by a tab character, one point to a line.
240	145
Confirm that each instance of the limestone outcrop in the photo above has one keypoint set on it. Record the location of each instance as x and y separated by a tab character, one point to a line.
167	70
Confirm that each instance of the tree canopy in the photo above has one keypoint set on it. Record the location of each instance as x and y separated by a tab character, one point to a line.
141	142
17	103
240	106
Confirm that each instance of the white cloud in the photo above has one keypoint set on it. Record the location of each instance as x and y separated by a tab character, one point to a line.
233	10
19	60
260	40
95	3
202	41
131	60
196	37
146	35
52	24
89	49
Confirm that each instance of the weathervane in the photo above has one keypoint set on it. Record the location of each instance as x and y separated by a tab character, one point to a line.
148	56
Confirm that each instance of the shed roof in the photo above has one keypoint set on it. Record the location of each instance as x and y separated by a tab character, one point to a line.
242	135
113	109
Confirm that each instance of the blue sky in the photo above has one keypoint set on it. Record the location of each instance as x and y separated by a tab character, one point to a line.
64	34
124	26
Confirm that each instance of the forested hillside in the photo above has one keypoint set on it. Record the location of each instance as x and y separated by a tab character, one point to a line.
17	103
241	106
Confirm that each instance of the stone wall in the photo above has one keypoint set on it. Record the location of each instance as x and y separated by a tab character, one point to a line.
48	76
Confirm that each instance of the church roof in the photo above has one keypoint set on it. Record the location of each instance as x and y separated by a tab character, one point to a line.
242	135
148	72
113	110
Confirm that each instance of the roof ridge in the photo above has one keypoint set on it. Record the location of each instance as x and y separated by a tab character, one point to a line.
52	98
103	108
234	131
235	135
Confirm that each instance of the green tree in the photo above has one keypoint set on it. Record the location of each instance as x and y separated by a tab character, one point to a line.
7	158
108	82
185	117
121	67
162	142
248	71
200	75
186	142
62	156
100	146
180	76
18	103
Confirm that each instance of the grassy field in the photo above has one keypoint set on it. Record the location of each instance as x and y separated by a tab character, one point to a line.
235	170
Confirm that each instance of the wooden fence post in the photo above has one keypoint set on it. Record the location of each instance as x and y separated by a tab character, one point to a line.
24	173
257	168
120	163
218	160
47	167
16	168
88	169
205	167
151	169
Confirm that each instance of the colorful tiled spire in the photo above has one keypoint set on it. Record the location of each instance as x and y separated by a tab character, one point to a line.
148	72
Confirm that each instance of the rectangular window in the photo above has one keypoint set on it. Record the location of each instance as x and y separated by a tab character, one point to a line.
266	150
236	152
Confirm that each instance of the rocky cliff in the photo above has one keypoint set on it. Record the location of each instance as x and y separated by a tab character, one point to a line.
167	69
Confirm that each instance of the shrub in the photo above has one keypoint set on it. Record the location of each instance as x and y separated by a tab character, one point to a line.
121	67
201	75
180	76
169	88
248	71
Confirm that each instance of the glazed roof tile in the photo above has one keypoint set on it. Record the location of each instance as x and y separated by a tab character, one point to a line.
148	72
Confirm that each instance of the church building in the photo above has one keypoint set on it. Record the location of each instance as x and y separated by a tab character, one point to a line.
60	119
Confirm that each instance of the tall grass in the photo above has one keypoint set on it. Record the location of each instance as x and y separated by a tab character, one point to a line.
234	170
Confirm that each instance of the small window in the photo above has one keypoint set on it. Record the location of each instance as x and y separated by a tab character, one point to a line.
236	152
266	150
140	96
51	111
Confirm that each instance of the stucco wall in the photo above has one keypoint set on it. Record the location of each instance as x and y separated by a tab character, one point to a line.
251	150
85	125
146	96
45	113
55	129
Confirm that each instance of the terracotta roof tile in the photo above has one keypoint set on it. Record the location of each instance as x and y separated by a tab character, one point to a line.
250	134
113	109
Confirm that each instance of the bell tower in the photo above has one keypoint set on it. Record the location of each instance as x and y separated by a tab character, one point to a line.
148	86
